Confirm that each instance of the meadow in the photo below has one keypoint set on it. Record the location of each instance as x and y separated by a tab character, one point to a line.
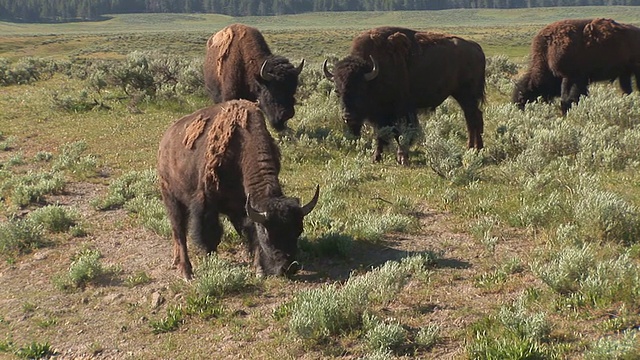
528	249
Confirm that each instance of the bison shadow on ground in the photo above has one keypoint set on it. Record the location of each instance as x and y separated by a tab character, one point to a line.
362	256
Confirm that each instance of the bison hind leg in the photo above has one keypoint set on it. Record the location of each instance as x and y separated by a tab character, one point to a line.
473	117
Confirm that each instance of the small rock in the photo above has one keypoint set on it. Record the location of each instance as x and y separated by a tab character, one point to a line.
41	255
111	298
156	300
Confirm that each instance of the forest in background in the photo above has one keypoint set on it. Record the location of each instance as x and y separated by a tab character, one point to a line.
89	10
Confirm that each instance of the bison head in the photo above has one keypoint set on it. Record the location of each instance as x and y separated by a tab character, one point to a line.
352	76
528	89
276	229
277	82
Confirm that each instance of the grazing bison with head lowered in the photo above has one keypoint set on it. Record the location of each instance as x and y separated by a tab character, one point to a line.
391	72
567	55
239	65
222	160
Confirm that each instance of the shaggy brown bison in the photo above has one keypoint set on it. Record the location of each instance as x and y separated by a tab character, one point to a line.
569	54
222	160
391	72
239	65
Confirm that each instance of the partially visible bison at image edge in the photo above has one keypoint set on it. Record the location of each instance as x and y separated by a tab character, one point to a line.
222	160
391	72
239	65
568	55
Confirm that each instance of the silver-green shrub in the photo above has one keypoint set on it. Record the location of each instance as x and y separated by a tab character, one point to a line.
218	277
321	312
615	347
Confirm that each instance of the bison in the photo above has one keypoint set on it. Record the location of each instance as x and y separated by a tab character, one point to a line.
239	65
222	160
391	72
569	54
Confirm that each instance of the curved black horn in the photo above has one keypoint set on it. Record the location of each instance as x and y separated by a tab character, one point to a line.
311	204
374	72
255	215
299	68
263	74
327	73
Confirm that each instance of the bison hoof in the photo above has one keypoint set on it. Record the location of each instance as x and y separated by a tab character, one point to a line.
377	157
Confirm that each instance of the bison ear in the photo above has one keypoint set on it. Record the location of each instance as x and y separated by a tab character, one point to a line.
263	72
255	215
311	204
326	71
299	68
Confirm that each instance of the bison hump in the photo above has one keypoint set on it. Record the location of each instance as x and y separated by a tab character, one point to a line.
233	115
221	43
600	30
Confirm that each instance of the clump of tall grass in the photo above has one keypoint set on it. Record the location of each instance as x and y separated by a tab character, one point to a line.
319	313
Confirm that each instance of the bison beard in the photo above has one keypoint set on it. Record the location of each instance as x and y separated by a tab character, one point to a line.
222	160
239	65
392	72
568	55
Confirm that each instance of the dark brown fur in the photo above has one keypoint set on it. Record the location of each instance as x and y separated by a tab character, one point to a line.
208	164
417	70
234	58
567	55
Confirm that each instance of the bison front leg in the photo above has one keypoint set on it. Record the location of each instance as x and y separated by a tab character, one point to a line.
377	153
570	92
178	217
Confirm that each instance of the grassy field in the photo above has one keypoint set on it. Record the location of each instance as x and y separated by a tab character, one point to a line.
526	250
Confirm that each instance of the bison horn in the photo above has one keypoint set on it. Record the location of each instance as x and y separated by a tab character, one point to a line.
327	73
307	208
299	68
264	74
374	72
255	215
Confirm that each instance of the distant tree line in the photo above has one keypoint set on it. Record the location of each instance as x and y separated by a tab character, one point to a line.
68	10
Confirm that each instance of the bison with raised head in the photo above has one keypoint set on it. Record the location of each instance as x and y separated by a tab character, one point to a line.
392	72
568	55
239	65
222	160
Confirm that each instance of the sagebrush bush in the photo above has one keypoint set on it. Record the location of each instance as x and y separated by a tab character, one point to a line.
134	184
606	216
31	187
564	270
85	268
318	313
381	335
55	218
20	236
218	277
618	347
428	335
73	160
